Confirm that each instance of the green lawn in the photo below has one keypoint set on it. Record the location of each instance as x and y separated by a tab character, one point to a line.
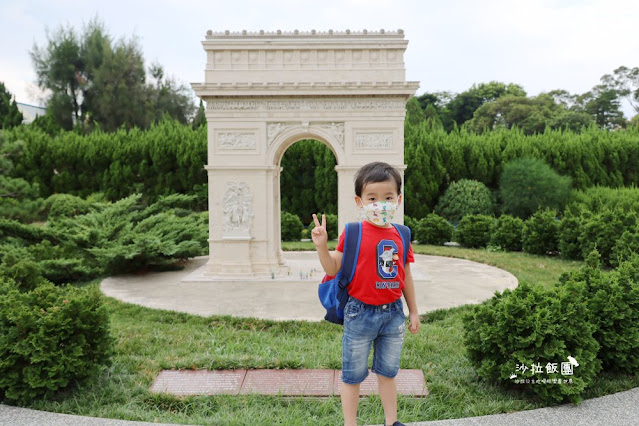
151	340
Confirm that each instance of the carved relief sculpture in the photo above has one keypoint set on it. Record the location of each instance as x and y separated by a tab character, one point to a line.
235	140
374	141
237	208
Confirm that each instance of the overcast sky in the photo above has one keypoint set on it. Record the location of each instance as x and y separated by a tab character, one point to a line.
540	44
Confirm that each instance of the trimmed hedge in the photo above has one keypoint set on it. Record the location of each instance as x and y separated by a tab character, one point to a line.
292	227
465	197
50	337
540	233
534	326
507	233
474	231
433	229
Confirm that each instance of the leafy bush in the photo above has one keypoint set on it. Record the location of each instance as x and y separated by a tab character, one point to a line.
507	233
527	184
603	229
291	227
66	205
412	224
51	337
474	230
613	304
598	198
534	326
569	232
113	238
539	235
465	197
433	229
331	225
626	246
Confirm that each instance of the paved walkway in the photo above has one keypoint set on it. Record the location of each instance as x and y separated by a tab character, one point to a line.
441	282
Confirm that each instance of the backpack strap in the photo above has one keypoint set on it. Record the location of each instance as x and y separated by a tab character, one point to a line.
352	240
404	232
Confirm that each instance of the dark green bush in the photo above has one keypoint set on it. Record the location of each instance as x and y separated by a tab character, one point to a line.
602	230
465	197
291	227
507	233
527	184
412	224
540	233
569	232
474	230
626	246
613	304
598	198
433	229
50	337
331	225
66	205
532	325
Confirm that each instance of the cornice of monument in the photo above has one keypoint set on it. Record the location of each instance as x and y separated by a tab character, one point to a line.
211	35
391	88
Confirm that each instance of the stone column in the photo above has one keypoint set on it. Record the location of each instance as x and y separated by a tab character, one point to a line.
242	227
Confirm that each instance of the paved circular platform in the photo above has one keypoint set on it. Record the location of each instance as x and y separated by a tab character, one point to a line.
440	282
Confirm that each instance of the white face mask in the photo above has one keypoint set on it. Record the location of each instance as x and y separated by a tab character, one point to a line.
380	212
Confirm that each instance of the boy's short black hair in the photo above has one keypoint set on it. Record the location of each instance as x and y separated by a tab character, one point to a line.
377	172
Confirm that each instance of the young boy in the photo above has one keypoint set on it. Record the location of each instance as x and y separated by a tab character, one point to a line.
374	312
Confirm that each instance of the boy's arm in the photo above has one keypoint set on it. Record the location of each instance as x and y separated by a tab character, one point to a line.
409	295
331	262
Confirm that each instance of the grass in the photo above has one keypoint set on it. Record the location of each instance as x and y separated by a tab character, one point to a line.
148	341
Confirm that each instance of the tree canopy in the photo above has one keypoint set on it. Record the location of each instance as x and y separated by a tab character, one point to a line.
10	116
93	80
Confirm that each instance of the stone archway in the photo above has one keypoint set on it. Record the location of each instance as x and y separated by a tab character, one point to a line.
264	91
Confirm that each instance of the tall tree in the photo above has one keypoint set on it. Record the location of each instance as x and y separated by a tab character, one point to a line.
602	102
10	115
94	80
59	68
626	82
463	106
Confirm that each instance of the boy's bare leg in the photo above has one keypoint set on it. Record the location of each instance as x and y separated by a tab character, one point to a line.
388	394
350	400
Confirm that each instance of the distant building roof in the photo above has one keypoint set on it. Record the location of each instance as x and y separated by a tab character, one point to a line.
30	112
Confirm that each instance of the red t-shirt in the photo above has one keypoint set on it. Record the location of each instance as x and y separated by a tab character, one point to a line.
379	275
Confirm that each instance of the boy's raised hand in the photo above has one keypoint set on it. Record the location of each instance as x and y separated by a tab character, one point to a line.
319	234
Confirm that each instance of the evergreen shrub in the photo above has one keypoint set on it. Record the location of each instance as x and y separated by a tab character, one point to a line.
569	232
602	230
507	233
331	225
527	184
465	197
533	326
50	337
540	233
66	205
412	224
613	305
433	229
474	231
291	227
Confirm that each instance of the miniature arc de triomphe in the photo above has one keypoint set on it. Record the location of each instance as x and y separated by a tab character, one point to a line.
265	91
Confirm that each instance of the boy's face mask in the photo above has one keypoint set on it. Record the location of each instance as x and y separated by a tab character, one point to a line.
379	212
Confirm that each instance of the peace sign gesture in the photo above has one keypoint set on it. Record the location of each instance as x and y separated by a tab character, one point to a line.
319	234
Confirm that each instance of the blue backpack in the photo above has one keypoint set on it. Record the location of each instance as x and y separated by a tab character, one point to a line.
333	291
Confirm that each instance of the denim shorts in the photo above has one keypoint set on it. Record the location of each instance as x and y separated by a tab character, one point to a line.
383	326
